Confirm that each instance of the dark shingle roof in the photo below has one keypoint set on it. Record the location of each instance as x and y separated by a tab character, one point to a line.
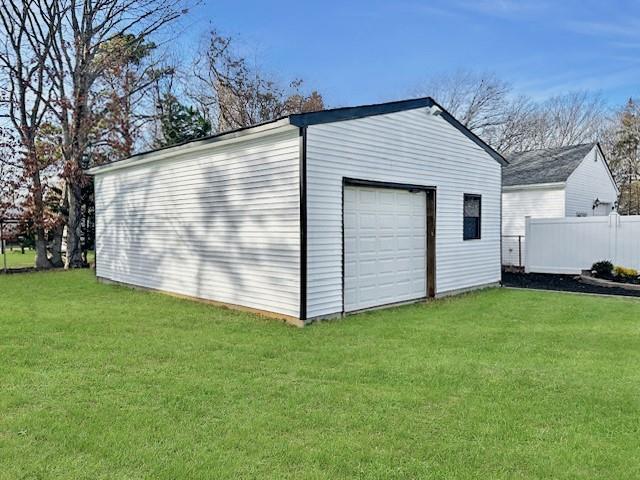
549	165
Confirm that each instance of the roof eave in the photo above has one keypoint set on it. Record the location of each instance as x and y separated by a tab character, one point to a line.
190	147
534	186
606	164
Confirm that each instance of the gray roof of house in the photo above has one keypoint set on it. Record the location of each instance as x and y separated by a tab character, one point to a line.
549	165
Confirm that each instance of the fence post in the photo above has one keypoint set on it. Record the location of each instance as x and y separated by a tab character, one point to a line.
3	247
527	243
520	251
613	237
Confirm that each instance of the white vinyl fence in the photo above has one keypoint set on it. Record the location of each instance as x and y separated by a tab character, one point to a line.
570	245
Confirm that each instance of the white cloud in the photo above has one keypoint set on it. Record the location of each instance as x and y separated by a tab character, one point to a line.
592	80
504	8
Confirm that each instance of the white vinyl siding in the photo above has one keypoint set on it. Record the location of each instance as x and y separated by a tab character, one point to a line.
222	224
410	147
589	181
535	203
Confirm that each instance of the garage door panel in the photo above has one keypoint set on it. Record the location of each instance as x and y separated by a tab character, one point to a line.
385	246
350	269
367	293
403	222
367	220
406	242
405	264
385	266
349	243
419	221
388	243
350	220
368	245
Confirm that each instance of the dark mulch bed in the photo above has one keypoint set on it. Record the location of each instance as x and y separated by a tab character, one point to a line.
565	283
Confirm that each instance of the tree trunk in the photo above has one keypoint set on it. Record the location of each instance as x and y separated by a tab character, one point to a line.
58	234
42	258
55	247
75	258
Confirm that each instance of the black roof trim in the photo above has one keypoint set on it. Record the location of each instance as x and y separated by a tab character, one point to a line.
606	164
472	136
353	113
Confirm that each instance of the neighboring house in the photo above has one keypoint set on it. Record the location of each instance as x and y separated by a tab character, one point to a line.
309	216
572	181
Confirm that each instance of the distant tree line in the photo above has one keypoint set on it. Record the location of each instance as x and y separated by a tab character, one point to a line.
508	122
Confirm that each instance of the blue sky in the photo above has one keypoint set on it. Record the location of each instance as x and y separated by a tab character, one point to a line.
367	51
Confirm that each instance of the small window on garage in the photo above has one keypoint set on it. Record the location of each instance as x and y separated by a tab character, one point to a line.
472	214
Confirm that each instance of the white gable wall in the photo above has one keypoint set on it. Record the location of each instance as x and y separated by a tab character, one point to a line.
532	202
589	181
221	224
411	147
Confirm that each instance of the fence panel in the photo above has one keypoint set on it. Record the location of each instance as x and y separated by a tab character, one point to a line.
627	248
570	245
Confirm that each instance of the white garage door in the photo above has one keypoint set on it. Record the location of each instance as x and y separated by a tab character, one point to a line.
385	246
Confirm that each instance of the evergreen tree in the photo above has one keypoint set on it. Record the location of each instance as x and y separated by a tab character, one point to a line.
181	123
626	158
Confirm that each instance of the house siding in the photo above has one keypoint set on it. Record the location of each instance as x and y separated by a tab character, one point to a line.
589	181
538	203
410	147
221	224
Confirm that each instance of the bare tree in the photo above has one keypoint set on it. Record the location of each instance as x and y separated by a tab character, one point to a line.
11	167
477	100
125	96
10	186
27	32
79	59
571	119
508	122
236	94
484	104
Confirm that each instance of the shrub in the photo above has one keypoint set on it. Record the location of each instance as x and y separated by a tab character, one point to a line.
603	268
625	273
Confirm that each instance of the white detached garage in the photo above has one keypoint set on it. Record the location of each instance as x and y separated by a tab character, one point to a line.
309	216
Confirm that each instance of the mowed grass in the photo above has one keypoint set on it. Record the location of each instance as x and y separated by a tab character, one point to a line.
103	382
17	259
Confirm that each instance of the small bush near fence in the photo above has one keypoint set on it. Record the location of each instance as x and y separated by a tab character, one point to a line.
626	274
603	269
606	270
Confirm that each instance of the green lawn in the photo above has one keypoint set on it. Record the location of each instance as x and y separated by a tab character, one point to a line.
17	259
102	382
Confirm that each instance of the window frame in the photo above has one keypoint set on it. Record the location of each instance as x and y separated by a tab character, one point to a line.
471	196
